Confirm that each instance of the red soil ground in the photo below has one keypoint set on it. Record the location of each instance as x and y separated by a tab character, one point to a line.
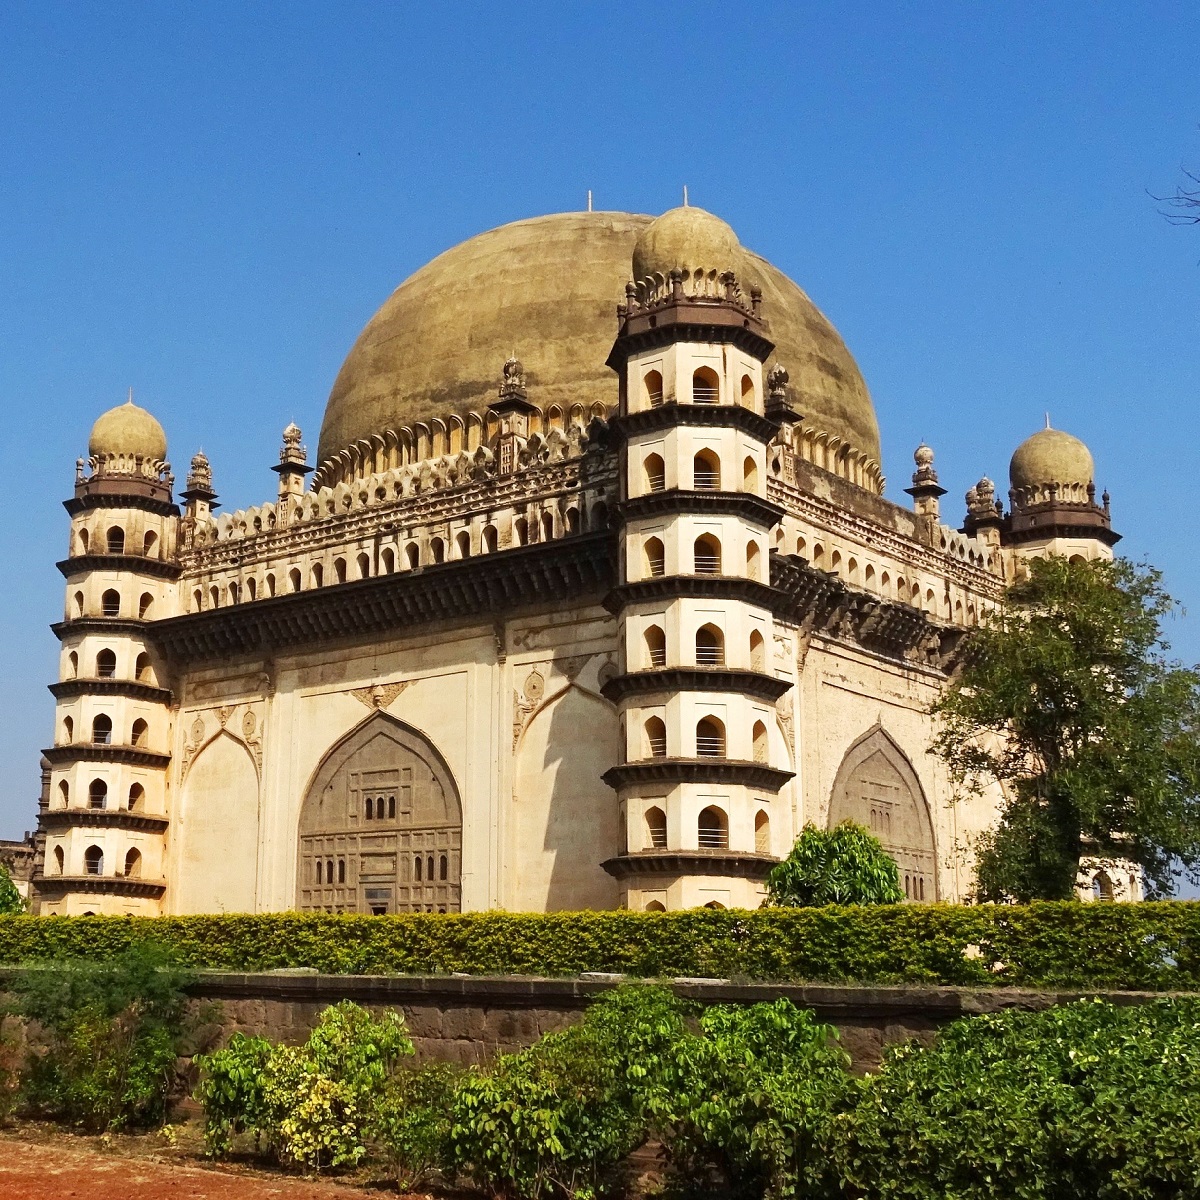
62	1167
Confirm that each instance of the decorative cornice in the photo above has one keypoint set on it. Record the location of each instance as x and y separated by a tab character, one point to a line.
543	574
695	679
697	770
101	818
692	587
670	416
689	319
131	689
681	502
54	887
137	756
83	500
737	863
136	564
109	625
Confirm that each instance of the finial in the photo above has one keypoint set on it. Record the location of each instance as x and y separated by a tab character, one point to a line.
589	199
130	400
925	473
685	199
1047	420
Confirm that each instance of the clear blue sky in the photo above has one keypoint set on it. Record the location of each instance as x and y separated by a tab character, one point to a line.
208	201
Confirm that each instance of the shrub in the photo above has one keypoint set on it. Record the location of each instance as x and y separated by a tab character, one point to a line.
103	1038
11	903
1087	1100
1058	945
557	1119
311	1105
748	1100
412	1122
843	865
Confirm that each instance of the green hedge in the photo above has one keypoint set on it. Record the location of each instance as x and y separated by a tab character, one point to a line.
1132	946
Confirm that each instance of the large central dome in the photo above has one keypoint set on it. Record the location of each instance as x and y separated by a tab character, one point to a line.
547	289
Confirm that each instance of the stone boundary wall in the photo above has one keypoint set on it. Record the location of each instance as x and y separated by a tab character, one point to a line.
469	1019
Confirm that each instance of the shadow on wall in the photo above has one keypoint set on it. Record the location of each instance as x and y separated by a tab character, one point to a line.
566	815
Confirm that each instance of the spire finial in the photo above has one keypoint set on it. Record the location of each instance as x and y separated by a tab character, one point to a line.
685	199
589	199
130	400
1047	420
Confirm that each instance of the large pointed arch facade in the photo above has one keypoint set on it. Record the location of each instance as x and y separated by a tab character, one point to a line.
877	787
381	826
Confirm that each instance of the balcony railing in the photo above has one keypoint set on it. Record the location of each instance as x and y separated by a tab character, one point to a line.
708	564
706	481
710	747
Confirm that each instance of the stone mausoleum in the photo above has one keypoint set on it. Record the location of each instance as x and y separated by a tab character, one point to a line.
602	627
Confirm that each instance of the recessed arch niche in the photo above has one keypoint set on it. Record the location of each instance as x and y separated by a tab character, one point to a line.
877	787
381	826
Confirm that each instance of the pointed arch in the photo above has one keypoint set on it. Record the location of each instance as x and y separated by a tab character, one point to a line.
878	787
417	813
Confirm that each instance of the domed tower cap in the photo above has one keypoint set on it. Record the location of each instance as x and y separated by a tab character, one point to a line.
1051	456
130	432
684	239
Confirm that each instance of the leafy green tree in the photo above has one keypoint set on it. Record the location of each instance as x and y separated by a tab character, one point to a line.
1067	699
843	865
11	903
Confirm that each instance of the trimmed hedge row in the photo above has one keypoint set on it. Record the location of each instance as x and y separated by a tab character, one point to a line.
1121	946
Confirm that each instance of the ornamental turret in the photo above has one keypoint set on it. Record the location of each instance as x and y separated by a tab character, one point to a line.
701	778
106	817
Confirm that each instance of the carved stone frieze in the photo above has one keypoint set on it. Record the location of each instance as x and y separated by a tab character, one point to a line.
380	695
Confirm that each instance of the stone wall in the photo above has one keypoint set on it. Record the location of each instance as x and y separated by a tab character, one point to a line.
471	1018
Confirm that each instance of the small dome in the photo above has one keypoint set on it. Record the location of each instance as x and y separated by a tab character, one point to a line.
687	239
130	431
1051	456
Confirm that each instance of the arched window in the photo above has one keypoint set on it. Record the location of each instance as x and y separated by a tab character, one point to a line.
818	555
759	735
329	870
214	597
706	387
747	392
572	521
339	570
1102	886
387	559
149	542
707	555
73	664
138	732
82	541
102	729
370	808
916	595
712	829
110	603
489	539
68	729
710	738
463	543
758	651
852	570
706	472
869	577
547	526
252	588
655	557
443	868
97	794
753	560
146	603
79	603
652	389
235	593
59	859
106	664
197	600
341	870
418	868
437	550
412	556
294	579
64	792
391	807
656	473
137	794
750	475
133	864
600	516
317	575
520	532
656	738
116	540
656	828
835	562
762	832
319	871
710	647
270	584
364	566
656	646
656	906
